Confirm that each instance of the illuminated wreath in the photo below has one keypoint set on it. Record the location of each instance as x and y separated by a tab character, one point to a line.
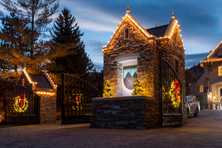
21	104
175	94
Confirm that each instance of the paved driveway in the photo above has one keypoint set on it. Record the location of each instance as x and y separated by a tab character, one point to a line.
204	132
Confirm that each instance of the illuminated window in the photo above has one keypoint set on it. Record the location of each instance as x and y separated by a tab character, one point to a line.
201	88
219	70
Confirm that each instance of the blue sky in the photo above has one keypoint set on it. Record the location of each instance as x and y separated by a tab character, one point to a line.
200	20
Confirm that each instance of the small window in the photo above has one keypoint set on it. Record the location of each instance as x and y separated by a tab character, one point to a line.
219	70
201	89
126	33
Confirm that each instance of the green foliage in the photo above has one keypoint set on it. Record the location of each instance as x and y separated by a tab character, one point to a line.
37	14
138	89
66	32
22	35
107	90
14	39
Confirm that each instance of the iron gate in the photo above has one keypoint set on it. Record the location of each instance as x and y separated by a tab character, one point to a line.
22	106
74	96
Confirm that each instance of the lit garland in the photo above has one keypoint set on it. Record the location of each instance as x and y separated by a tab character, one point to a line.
138	89
108	90
45	93
21	104
174	93
174	24
50	80
126	18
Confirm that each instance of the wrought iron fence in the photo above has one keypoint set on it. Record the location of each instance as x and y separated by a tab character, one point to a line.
74	96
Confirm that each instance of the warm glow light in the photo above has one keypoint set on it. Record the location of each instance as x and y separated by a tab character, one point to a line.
50	80
126	17
28	77
212	51
45	93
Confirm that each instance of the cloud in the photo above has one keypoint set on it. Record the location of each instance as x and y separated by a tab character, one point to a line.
200	20
95	26
91	18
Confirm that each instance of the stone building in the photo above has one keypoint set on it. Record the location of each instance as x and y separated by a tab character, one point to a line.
208	85
150	56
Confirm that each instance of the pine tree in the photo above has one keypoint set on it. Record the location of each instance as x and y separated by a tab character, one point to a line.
28	21
37	14
66	32
14	40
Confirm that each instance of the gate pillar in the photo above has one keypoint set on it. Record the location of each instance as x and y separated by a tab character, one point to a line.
48	109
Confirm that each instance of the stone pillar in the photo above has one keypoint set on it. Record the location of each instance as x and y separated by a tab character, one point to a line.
47	109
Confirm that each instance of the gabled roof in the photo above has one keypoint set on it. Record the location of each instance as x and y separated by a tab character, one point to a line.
158	31
130	18
217	52
40	82
164	31
214	55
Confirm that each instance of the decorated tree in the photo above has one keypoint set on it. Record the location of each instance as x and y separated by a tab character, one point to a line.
107	90
138	89
66	32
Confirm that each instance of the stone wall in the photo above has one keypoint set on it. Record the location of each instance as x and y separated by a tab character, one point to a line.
48	109
138	46
125	112
148	52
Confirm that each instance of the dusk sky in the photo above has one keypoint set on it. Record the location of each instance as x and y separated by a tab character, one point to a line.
200	20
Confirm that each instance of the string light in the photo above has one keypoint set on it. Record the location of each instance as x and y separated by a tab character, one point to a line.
45	93
212	51
50	80
28	77
128	17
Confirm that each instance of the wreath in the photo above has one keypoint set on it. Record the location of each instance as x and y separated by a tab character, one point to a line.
21	104
175	93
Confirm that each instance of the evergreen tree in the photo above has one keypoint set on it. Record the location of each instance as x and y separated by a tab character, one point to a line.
37	14
14	39
22	40
66	32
